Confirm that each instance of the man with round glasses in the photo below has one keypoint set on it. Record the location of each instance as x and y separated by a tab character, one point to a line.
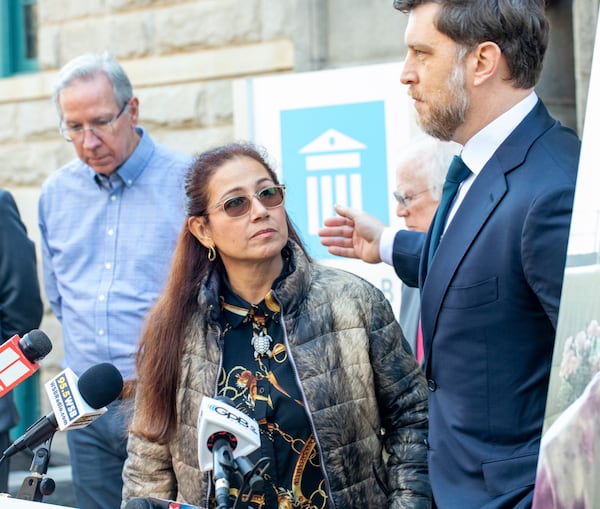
420	173
101	127
109	221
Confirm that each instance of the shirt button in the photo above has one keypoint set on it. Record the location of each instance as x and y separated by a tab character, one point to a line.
110	231
100	332
113	197
100	298
432	385
107	265
261	390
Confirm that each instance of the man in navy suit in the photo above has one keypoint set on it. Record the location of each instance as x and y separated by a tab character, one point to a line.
20	302
490	294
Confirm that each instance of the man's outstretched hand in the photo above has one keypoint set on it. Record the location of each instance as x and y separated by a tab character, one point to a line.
352	234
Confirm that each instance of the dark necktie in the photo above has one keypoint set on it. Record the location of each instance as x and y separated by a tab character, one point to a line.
457	172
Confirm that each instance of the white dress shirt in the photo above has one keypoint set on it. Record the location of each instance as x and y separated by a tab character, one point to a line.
475	153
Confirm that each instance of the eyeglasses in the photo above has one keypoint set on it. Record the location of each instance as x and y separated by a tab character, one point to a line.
238	206
405	200
100	128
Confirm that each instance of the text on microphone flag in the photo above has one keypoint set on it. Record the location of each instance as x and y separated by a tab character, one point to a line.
69	407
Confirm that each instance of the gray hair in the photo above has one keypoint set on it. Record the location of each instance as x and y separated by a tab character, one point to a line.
430	158
87	67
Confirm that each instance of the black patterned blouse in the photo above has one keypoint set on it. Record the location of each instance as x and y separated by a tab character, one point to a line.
259	378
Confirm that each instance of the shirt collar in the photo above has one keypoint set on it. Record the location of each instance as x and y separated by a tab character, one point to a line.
135	164
481	147
237	308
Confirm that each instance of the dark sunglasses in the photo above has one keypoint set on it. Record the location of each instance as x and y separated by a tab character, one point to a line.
237	206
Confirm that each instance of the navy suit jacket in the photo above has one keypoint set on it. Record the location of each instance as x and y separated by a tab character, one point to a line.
20	303
489	307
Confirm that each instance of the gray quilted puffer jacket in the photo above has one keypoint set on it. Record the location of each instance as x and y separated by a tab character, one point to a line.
362	387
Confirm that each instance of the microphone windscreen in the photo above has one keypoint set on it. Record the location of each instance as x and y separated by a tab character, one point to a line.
35	345
139	503
100	385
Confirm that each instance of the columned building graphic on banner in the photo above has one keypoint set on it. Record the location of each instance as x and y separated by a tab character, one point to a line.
333	154
333	168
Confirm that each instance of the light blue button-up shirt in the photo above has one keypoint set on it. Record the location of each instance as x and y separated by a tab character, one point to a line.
106	250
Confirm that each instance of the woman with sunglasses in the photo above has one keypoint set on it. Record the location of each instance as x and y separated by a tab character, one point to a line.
312	354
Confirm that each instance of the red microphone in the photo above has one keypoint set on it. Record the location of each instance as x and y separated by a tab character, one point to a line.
19	358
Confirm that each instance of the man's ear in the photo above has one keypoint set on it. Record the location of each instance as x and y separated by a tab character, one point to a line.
134	110
199	228
487	57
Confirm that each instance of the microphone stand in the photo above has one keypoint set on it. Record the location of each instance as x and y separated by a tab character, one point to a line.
252	477
35	486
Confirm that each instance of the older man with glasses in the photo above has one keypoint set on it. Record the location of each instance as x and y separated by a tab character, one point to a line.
420	173
420	176
109	221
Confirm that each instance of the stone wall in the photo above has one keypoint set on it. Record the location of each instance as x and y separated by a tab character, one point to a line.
183	56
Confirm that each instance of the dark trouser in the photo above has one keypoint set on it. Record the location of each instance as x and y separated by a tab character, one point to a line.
97	454
5	466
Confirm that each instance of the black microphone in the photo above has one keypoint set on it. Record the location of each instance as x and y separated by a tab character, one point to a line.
157	503
139	503
98	386
35	345
225	435
222	445
144	503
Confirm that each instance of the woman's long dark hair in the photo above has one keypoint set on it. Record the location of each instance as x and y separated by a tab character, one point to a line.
160	352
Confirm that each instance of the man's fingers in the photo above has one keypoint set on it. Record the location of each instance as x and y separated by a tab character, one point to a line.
342	251
336	221
342	242
336	231
346	212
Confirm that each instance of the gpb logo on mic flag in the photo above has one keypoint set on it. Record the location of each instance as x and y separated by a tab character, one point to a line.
237	417
216	417
70	409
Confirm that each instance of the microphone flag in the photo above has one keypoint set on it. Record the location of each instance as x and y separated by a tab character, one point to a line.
69	407
18	358
217	419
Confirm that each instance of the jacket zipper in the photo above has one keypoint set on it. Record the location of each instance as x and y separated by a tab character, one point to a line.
330	502
214	329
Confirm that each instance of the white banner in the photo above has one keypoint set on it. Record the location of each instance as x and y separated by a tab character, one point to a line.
336	136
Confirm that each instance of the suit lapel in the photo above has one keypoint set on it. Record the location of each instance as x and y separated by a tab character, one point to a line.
483	197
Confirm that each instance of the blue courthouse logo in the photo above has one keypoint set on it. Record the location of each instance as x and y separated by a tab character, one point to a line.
333	154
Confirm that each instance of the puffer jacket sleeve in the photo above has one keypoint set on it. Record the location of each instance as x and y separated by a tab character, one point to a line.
402	398
148	469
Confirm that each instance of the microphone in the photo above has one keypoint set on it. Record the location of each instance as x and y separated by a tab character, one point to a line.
76	403
219	418
224	433
157	503
19	356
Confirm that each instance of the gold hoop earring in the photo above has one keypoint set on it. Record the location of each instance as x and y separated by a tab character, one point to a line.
212	254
